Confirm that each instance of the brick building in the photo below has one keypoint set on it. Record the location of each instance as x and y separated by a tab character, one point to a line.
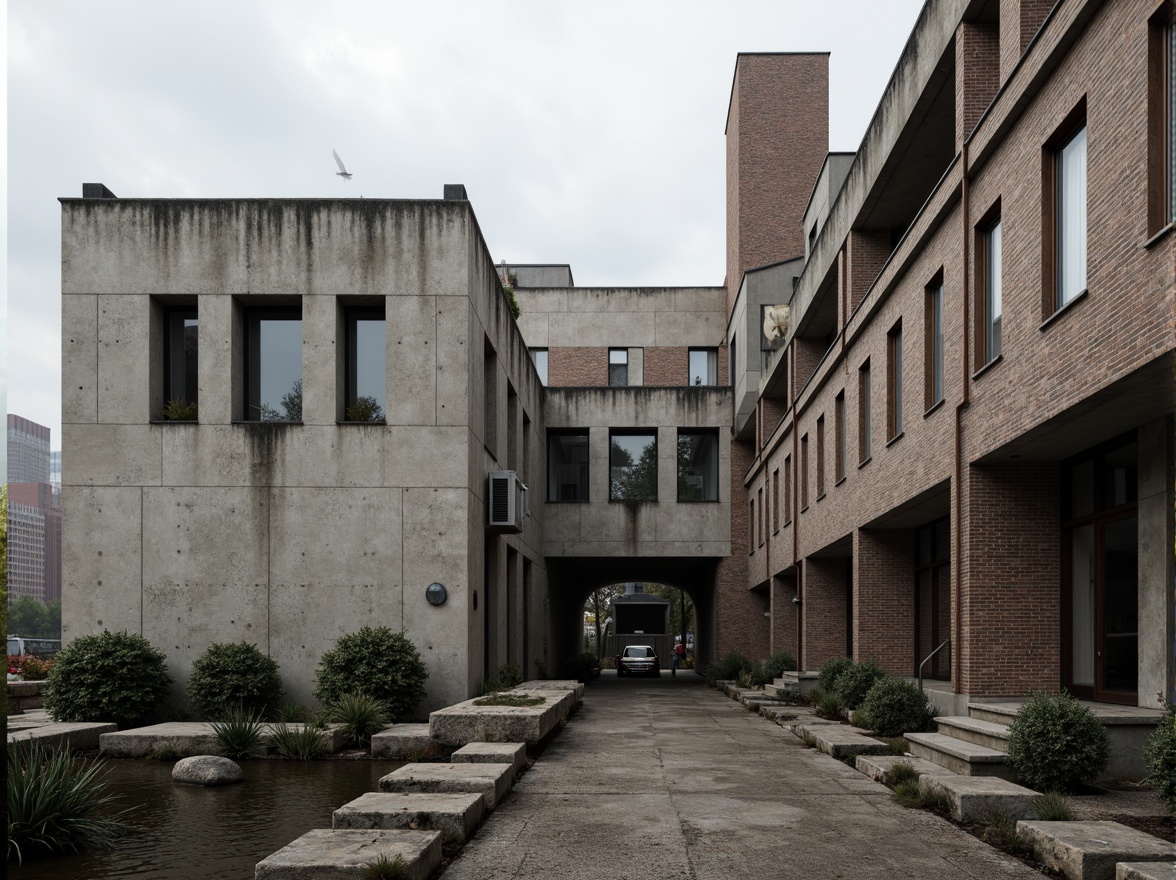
927	418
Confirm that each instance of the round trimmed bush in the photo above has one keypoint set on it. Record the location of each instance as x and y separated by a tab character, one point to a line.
831	670
1159	755
894	707
1056	742
778	664
232	676
115	677
378	662
855	682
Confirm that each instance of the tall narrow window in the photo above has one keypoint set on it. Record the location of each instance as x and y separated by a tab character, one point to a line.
803	476
567	465
993	285
366	365
760	521
512	428
864	438
704	366
1161	120
787	489
490	399
775	501
731	366
632	466
273	355
894	382
751	526
1064	191
839	428
539	357
820	458
698	466
933	345
618	367
180	385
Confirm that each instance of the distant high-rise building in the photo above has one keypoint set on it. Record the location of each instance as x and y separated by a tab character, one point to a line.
34	513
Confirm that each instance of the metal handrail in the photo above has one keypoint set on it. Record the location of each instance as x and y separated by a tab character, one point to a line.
946	642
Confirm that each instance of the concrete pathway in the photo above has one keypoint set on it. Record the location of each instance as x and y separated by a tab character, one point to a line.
667	779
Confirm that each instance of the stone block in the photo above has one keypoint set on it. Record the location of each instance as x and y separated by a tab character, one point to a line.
1091	850
514	754
325	854
75	736
841	741
973	796
456	815
492	781
554	684
186	738
404	741
1145	871
467	723
878	767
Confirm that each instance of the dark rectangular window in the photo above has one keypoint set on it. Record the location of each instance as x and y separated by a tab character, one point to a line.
618	367
1161	119
512	428
490	399
775	501
933	345
567	465
787	489
839	428
704	366
366	364
698	466
273	357
180	380
993	292
864	438
803	476
820	458
751	526
733	360
1064	213
632	462
760	520
539	358
894	381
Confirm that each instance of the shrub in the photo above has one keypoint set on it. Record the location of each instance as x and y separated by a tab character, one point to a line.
29	667
229	676
57	802
582	668
894	707
382	663
1159	755
360	715
508	677
831	670
730	668
365	409
179	410
855	682
239	734
1056	743
301	742
778	664
115	677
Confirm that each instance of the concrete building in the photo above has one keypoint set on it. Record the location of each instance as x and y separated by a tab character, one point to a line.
927	418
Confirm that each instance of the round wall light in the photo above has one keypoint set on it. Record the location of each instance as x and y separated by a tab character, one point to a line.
436	594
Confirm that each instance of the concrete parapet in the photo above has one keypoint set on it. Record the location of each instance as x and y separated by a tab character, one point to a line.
973	796
456	815
492	781
186	738
404	741
1091	850
514	754
76	736
324	854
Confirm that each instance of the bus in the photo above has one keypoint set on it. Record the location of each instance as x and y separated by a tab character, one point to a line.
37	647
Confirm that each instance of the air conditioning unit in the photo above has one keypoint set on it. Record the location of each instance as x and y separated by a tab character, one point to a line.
506	506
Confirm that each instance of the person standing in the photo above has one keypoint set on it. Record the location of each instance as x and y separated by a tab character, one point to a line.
679	653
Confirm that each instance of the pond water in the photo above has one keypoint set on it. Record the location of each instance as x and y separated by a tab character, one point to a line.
188	832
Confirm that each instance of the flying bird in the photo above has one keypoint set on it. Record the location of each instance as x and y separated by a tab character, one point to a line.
342	172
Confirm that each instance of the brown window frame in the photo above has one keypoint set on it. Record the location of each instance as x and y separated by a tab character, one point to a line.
894	382
933	352
839	439
788	490
1161	108
1074	122
984	353
751	526
803	475
865	434
820	457
760	520
776	501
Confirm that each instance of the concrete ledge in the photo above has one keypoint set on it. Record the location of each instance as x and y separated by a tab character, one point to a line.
783	712
466	723
1145	871
1091	850
492	781
186	738
404	741
878	767
958	756
971	797
78	736
514	754
563	684
25	695
841	741
455	816
324	854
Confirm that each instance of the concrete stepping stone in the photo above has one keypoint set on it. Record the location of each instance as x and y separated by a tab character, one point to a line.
975	730
841	741
1145	871
960	756
878	767
467	722
325	854
1091	850
492	781
514	754
187	738
456	816
971	797
75	736
404	741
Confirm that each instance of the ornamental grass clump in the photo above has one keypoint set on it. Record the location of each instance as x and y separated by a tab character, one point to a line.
360	715
893	707
1055	743
229	676
855	682
239	734
57	802
301	742
381	663
115	677
1159	755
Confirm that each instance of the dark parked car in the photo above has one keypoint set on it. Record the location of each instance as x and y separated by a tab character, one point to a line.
638	660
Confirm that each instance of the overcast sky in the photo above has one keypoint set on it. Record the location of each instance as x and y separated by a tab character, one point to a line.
588	133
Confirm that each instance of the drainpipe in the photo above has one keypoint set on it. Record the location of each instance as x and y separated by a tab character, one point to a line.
796	513
957	646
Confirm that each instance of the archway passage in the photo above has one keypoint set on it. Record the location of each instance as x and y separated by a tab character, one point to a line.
572	581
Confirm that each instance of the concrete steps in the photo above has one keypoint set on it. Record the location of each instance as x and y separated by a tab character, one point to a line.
974	730
960	756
